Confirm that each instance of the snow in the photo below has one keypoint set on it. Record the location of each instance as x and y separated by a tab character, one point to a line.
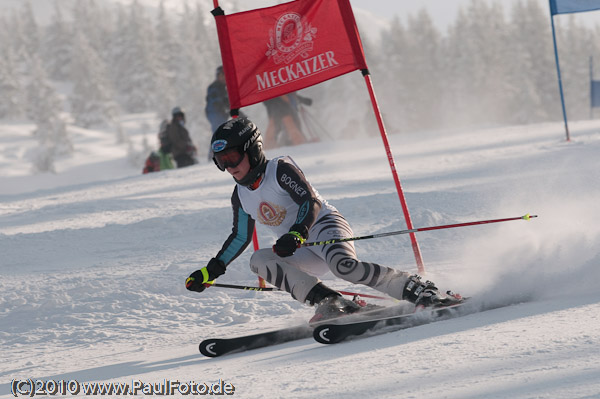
94	260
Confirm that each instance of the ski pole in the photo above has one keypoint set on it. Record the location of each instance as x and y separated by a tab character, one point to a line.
393	233
250	288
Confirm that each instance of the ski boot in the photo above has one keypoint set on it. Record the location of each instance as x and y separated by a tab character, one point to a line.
330	303
427	295
334	306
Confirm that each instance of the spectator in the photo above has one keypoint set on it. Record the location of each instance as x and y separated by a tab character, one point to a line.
217	101
284	118
184	151
161	159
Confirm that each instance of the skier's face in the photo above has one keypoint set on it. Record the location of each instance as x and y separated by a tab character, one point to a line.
241	170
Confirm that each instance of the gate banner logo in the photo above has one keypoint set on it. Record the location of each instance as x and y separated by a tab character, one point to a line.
290	39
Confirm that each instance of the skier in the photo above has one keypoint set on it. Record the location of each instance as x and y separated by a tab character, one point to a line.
276	194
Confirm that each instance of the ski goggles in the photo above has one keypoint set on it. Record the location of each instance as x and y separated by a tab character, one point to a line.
229	158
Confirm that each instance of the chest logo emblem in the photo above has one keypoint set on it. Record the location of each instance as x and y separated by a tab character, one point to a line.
271	215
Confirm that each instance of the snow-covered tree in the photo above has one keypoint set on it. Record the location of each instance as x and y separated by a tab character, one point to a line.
422	57
488	68
44	107
133	60
194	72
57	46
95	23
28	32
575	46
12	100
167	56
531	65
393	74
91	98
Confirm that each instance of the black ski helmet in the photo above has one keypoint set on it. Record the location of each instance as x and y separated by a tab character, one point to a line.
241	136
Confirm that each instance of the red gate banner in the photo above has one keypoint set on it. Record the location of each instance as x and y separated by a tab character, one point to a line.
272	51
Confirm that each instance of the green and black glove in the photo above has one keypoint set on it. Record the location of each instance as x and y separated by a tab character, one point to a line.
203	278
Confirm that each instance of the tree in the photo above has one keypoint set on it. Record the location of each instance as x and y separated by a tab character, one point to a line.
12	100
91	98
44	107
57	46
95	24
396	73
195	71
575	45
133	61
477	59
28	32
422	57
531	65
168	50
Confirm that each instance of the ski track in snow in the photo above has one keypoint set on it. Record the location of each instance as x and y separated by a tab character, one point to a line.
92	272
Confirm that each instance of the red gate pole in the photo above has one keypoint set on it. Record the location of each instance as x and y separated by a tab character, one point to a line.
261	281
390	157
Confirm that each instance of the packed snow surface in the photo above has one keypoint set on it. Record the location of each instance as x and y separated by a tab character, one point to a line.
93	262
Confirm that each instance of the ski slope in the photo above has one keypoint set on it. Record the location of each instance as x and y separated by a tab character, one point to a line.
94	258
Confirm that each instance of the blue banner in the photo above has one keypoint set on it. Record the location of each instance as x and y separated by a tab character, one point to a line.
595	93
570	6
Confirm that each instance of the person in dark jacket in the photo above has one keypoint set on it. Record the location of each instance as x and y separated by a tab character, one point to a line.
182	148
217	101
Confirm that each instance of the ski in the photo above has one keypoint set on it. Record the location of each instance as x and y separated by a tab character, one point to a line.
214	347
378	320
336	332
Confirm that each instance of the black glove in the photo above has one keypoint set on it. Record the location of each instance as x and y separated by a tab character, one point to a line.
291	241
203	278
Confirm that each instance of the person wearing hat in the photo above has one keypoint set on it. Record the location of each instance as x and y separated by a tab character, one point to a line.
182	147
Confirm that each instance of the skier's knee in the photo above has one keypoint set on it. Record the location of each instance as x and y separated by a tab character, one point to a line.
262	256
259	258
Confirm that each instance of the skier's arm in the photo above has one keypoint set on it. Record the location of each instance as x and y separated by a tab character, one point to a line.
241	233
293	181
236	243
